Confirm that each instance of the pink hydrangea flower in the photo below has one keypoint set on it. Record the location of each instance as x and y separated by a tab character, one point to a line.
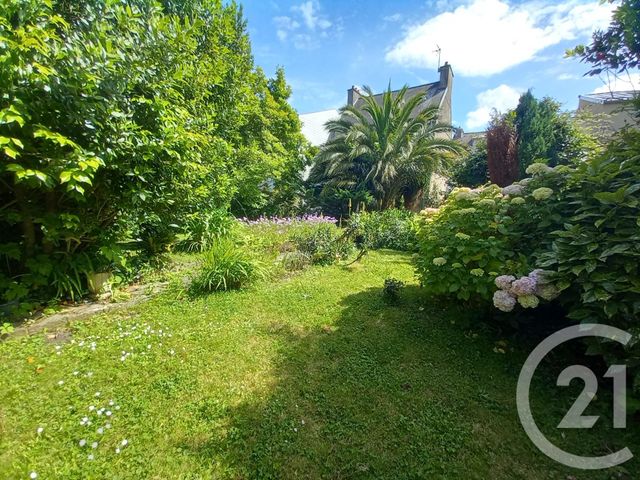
523	286
503	282
504	301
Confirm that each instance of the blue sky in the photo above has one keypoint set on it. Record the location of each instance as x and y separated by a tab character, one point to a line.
497	49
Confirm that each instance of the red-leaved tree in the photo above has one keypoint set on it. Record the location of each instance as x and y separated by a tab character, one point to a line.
502	152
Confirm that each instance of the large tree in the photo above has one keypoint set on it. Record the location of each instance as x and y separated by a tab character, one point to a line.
390	147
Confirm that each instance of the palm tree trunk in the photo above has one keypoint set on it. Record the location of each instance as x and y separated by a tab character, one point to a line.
413	199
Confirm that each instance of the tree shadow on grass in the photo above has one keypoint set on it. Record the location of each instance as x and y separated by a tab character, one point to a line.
386	391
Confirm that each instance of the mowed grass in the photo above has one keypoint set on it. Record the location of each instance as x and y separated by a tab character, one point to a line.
311	376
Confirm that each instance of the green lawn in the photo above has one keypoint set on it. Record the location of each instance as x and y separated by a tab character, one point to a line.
311	376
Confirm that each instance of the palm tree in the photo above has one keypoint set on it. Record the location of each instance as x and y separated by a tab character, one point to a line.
391	148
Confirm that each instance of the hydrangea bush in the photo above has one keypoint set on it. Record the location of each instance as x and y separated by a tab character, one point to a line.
476	235
570	233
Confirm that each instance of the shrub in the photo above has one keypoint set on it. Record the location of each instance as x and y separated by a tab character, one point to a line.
323	243
595	255
386	229
473	170
478	234
295	260
225	267
201	230
391	290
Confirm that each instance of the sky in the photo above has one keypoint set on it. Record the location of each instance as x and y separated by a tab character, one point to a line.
497	49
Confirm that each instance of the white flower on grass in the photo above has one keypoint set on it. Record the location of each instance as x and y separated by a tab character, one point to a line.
94	445
107	425
39	430
33	475
91	408
117	450
84	420
76	373
108	413
61	382
97	394
110	402
117	407
100	431
124	442
90	456
82	442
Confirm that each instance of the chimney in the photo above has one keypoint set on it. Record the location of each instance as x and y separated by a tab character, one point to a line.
353	94
446	75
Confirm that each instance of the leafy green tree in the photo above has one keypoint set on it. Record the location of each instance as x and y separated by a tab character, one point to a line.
545	134
119	121
385	148
473	170
616	49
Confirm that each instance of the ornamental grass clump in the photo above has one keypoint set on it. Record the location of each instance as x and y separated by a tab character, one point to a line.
225	267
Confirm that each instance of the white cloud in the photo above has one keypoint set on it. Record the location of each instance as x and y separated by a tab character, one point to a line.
619	83
396	17
568	76
304	27
501	98
310	15
485	37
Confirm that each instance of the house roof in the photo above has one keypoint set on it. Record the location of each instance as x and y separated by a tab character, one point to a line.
610	97
433	93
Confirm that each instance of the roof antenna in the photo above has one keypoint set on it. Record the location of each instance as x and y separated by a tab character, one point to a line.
438	51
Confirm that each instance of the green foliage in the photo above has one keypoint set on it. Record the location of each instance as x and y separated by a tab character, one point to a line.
120	123
473	169
616	49
596	253
225	267
323	243
478	234
391	228
203	229
385	149
544	133
295	260
391	290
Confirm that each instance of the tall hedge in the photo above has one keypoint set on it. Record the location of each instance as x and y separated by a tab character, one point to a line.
118	120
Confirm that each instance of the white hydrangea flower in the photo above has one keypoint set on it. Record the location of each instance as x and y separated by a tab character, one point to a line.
513	190
542	193
439	261
537	169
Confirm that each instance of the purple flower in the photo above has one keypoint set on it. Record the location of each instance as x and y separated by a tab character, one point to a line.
503	282
503	300
523	286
